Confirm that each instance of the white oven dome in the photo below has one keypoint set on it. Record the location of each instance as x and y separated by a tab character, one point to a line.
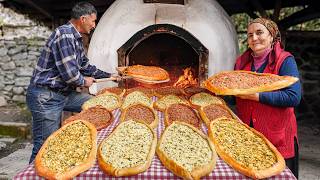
204	19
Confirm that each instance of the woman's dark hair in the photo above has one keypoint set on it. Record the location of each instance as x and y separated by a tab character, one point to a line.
81	9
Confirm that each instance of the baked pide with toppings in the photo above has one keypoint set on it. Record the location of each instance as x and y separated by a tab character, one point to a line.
146	91
165	101
186	151
136	97
116	90
128	150
167	90
109	101
204	99
181	112
245	149
246	82
152	73
140	112
68	152
214	111
189	91
99	116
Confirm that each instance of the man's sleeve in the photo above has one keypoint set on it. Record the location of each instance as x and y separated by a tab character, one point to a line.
65	58
287	97
91	70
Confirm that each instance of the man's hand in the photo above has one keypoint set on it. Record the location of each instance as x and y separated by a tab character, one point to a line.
88	81
253	97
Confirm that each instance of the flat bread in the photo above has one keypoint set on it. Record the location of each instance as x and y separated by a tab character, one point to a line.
186	151
167	90
109	101
183	113
189	91
116	90
68	152
246	82
147	91
136	97
245	149
204	99
99	116
212	112
152	73
164	102
128	150
140	112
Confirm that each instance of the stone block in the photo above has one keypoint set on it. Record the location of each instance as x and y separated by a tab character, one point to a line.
19	98
18	90
5	58
3	101
3	51
20	56
22	81
24	71
17	49
36	53
8	66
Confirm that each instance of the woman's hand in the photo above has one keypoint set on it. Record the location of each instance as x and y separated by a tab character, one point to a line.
253	97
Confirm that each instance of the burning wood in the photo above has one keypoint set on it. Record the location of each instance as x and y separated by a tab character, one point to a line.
187	79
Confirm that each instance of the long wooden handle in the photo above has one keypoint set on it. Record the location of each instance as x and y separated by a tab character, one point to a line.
111	79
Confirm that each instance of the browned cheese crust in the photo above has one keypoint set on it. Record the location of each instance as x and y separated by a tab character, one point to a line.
140	112
152	73
186	151
116	90
246	82
99	116
214	111
183	113
245	149
68	152
109	101
162	103
128	150
167	90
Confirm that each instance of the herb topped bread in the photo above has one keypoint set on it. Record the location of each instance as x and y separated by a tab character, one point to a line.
68	152
186	151
245	149
109	101
128	150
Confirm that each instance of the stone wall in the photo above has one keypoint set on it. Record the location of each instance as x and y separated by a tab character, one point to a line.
17	61
305	46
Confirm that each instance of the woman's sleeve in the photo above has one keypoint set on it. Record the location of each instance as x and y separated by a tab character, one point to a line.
286	97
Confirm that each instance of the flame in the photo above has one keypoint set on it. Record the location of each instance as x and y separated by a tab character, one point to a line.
187	79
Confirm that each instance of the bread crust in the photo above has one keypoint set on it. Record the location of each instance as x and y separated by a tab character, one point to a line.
196	106
167	121
48	174
116	90
124	105
110	170
167	90
178	170
285	82
86	118
152	73
154	123
277	168
205	118
161	105
86	105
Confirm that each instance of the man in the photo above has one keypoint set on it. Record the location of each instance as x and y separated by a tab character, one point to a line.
61	68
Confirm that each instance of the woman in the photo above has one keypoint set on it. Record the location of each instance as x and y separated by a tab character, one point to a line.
271	113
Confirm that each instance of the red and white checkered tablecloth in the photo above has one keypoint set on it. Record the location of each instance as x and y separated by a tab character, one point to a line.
156	170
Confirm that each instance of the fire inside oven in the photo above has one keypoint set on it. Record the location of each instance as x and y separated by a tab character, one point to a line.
169	47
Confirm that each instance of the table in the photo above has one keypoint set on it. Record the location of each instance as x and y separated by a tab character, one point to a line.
156	170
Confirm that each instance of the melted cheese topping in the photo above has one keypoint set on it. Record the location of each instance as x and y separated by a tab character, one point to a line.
166	101
136	97
70	148
186	147
129	146
243	145
204	99
109	101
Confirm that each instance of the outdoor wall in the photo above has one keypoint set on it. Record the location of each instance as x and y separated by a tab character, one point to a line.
305	46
